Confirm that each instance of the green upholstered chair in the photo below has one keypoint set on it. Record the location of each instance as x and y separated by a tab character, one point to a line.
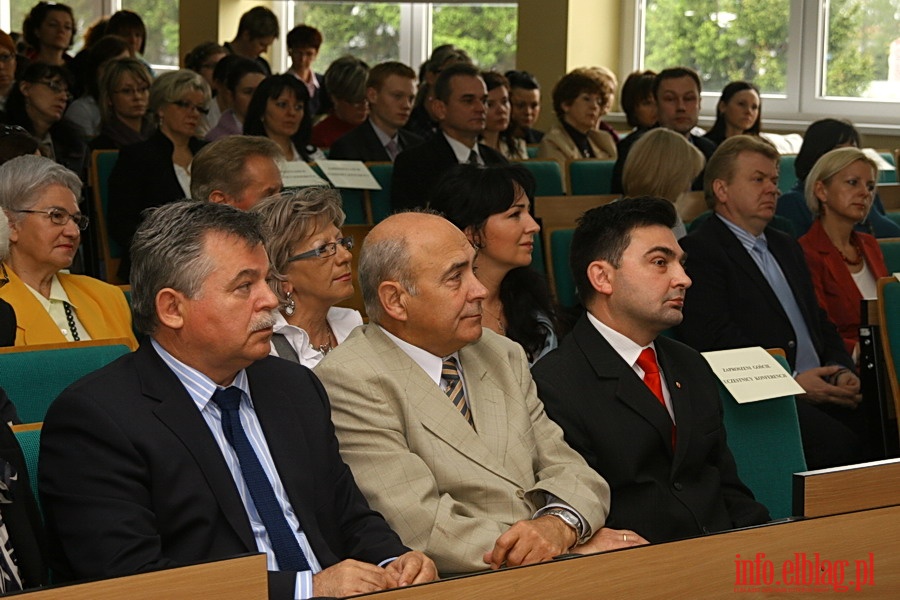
353	203
33	376
890	248
786	175
764	438
532	150
102	163
889	323
548	175
563	282
889	175
379	204
590	176
537	256
29	438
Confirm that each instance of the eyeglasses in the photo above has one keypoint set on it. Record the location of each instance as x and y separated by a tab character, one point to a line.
133	91
325	250
6	130
60	216
55	86
190	105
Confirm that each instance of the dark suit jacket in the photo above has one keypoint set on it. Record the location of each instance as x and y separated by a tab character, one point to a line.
22	517
363	144
731	305
7	324
704	145
417	170
144	177
132	479
610	416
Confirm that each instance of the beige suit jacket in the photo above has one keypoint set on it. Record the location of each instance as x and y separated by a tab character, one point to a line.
445	488
558	145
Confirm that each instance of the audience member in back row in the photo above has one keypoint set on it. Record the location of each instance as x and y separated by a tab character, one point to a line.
677	94
37	104
390	91
303	43
642	436
497	134
241	81
459	105
49	31
130	26
124	99
278	112
820	137
40	199
738	112
257	29
203	59
610	84
578	99
239	170
423	121
346	83
525	105
662	164
7	70
493	207
312	258
85	112
751	287
845	264
637	101
156	171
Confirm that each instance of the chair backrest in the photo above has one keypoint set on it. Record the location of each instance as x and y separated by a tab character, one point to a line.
888	175
590	176
29	438
359	233
889	324
102	163
764	438
559	273
33	376
548	175
690	205
353	201
890	195
890	248
786	175
378	202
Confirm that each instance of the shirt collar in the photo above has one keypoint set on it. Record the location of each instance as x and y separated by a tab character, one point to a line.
747	239
57	294
624	346
383	137
461	150
428	362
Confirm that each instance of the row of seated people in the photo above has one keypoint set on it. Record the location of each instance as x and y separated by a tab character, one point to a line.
425	305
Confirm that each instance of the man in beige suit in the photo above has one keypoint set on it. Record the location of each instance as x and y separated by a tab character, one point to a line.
440	422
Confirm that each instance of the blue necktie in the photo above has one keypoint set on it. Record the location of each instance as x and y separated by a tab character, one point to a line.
287	550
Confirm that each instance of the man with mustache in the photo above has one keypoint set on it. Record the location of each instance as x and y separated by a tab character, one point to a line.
641	408
439	419
199	446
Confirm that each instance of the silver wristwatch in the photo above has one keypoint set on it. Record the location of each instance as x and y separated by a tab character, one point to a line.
569	518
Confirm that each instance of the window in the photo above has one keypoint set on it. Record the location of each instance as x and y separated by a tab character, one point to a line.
161	19
810	58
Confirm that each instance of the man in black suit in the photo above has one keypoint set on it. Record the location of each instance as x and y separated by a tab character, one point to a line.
201	446
752	287
390	92
459	104
660	443
677	93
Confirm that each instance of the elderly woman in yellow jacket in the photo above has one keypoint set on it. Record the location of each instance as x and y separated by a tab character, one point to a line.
40	199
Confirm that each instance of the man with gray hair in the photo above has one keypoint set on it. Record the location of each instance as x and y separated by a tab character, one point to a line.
200	446
239	170
440	421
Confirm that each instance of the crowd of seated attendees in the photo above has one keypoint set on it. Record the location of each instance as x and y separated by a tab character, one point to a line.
452	130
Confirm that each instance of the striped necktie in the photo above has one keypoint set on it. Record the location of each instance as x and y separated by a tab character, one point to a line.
454	391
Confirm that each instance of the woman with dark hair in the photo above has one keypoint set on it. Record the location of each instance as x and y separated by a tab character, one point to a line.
124	99
637	100
492	205
739	112
278	112
204	59
84	112
498	134
129	25
244	75
821	137
37	104
49	30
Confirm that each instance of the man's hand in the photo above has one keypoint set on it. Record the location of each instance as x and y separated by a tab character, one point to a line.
531	541
350	577
818	391
412	567
610	539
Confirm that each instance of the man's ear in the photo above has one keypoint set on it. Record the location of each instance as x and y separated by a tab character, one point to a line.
393	296
601	274
218	196
371	95
720	189
170	308
439	109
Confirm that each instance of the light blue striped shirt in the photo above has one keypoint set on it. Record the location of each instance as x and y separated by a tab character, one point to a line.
201	388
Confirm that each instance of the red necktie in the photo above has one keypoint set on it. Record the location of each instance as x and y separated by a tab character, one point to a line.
647	362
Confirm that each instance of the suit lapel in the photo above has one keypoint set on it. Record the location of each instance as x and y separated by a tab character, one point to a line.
373	144
178	412
680	394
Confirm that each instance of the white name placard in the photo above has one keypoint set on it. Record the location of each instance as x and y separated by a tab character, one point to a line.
299	174
751	374
348	174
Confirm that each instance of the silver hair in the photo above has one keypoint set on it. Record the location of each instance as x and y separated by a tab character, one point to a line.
24	178
172	86
169	251
4	236
216	166
384	260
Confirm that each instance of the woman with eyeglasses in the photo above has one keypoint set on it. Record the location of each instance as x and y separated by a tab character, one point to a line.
157	170
37	105
312	258
278	112
124	98
40	199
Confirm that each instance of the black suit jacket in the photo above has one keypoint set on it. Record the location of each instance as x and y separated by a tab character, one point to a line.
7	324
143	177
731	305
707	147
417	170
363	144
612	418
132	479
22	517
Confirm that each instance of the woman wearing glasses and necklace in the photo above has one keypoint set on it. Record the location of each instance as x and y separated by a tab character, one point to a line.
39	198
312	259
157	170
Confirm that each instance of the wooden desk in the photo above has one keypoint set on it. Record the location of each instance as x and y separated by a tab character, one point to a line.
243	578
700	567
846	489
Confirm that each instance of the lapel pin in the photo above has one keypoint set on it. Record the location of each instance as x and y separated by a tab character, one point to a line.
678	384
